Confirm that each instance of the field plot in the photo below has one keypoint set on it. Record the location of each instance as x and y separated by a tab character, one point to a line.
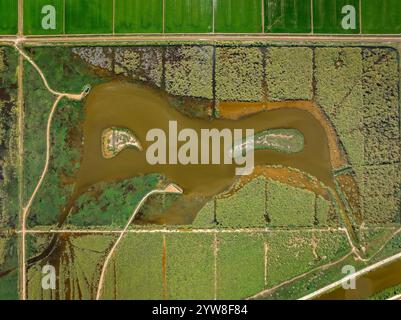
88	17
8	17
189	275
138	16
381	16
35	22
288	16
328	16
240	265
242	16
183	16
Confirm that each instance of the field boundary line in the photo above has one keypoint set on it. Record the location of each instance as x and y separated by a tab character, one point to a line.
183	230
207	37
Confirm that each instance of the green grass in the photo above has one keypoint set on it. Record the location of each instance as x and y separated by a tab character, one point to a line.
239	73
205	217
33	17
8	252
328	16
289	73
137	16
238	16
190	266
9	286
289	254
381	16
240	265
322	211
288	16
88	17
135	271
245	208
289	206
8	17
188	16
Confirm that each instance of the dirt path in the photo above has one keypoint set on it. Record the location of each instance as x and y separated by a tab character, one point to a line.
205	38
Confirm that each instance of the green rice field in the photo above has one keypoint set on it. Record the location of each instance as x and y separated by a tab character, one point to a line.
8	17
204	16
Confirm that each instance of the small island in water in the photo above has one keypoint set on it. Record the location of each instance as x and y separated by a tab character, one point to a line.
114	140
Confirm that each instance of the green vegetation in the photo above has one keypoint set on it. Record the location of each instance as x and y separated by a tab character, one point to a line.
33	16
374	239
322	207
9	286
387	294
288	255
193	16
135	271
9	204
8	252
64	70
289	206
240	265
327	16
238	16
8	17
88	17
289	73
293	253
381	194
111	204
288	16
339	93
244	208
239	72
139	16
190	266
205	217
381	105
330	245
188	71
381	16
